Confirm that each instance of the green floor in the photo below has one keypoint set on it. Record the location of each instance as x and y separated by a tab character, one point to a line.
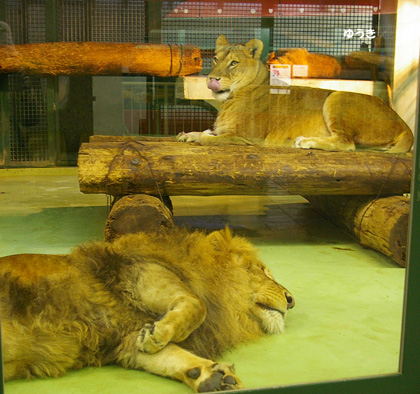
348	312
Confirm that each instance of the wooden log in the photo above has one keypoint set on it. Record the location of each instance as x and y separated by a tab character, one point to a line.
172	168
98	58
131	214
377	223
128	138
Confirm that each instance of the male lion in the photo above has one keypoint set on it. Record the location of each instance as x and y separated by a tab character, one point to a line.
301	117
167	303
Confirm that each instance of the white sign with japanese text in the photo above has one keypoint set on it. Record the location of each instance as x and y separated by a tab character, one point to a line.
280	78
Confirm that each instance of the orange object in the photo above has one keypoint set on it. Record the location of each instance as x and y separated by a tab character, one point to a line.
319	65
96	58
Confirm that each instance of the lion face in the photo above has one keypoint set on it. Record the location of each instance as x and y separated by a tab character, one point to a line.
234	67
267	301
270	300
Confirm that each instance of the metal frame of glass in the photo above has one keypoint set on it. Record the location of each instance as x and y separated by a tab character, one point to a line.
407	380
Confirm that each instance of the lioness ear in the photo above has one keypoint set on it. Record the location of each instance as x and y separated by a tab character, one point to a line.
255	48
222	42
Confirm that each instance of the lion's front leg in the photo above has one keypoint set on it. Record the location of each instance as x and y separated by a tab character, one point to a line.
185	313
201	374
178	310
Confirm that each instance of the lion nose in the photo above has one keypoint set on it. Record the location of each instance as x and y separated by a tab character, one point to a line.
290	300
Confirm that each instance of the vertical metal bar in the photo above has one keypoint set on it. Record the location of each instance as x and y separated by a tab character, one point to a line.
1	367
23	21
166	106
51	35
52	119
4	124
90	7
410	356
153	22
4	120
4	131
51	20
265	38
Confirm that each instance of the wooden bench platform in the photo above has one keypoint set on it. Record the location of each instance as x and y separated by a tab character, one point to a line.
352	188
130	165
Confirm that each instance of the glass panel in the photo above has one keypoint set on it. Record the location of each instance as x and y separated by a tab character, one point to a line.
290	123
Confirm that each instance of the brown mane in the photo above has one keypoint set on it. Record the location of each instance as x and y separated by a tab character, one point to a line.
129	302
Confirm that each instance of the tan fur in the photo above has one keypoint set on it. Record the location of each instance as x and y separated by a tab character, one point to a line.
319	65
301	117
167	303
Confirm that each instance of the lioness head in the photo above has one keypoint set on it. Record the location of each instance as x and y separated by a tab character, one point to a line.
234	67
268	301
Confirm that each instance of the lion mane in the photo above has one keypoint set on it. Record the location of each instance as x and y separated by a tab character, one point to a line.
319	65
167	303
255	113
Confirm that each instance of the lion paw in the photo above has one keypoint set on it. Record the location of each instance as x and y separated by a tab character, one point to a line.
217	377
147	341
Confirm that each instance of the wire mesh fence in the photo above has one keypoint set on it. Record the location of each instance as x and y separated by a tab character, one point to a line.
334	30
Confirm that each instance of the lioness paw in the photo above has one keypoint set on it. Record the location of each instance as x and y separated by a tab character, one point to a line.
217	377
193	136
303	142
147	341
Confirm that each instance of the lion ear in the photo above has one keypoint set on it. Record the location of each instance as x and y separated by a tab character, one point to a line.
222	42
220	239
255	48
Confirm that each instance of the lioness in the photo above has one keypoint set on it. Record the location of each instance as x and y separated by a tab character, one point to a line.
301	117
167	303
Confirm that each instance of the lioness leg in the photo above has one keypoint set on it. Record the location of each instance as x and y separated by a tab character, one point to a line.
207	137
180	311
359	119
341	130
333	143
200	374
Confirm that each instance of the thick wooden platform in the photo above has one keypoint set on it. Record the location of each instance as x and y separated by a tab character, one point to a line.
127	165
347	187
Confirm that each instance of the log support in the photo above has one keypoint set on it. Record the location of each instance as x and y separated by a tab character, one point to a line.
342	185
134	213
377	223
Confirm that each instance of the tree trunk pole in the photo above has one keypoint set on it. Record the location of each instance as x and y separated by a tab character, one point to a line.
377	223
96	58
131	214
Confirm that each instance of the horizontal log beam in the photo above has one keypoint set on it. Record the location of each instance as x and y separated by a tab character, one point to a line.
98	58
132	166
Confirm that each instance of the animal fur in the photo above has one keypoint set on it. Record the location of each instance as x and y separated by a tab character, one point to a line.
167	303
319	65
299	117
